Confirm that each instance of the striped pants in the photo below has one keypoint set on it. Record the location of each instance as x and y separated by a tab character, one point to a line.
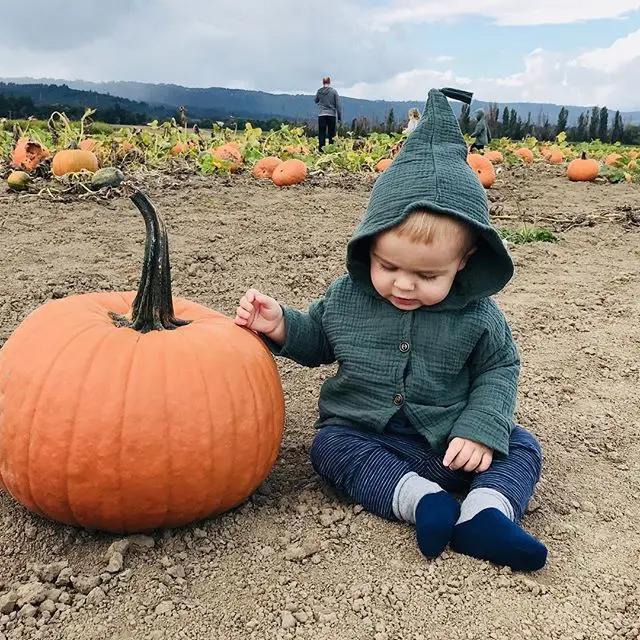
366	466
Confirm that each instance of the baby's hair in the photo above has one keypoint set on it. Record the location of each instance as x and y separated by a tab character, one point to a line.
414	113
427	227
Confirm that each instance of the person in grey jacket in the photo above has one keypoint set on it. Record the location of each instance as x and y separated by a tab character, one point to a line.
329	110
481	133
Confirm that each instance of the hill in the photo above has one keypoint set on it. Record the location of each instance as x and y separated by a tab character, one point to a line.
160	100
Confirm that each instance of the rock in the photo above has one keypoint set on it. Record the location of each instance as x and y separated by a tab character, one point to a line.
107	177
8	602
116	562
48	605
54	594
166	606
177	571
119	546
27	611
64	577
50	572
96	596
31	593
298	553
84	584
141	541
589	507
287	621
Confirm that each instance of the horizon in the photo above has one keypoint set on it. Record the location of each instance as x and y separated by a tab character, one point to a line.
58	81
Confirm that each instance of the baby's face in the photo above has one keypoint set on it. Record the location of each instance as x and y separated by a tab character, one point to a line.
412	274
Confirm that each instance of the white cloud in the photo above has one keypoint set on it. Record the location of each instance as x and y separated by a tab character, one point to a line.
503	12
604	77
283	46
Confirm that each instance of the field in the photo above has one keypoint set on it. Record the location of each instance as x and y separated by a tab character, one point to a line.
297	560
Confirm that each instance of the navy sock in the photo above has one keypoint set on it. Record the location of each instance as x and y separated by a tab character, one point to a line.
490	535
436	516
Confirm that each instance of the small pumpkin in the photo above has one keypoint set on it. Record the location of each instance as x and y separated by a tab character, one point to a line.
88	144
124	148
301	150
18	180
583	169
525	154
289	172
28	154
265	166
117	415
72	161
231	154
555	156
612	158
178	149
633	155
545	151
383	164
483	168
494	156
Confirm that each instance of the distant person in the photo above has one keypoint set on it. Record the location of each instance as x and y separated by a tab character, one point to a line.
481	133
414	118
329	111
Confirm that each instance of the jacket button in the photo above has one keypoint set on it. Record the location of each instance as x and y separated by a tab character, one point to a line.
404	346
398	399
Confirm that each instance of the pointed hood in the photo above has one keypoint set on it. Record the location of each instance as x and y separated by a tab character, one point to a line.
431	173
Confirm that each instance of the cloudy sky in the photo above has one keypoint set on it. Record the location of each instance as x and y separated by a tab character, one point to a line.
564	51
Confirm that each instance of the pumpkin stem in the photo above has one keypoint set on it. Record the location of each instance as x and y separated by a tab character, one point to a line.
152	308
584	155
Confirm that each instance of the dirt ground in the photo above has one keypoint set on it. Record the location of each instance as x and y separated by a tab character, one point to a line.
296	560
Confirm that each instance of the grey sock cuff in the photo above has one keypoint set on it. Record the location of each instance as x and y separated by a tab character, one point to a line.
408	492
479	499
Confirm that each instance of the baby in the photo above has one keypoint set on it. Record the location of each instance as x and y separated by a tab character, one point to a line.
421	407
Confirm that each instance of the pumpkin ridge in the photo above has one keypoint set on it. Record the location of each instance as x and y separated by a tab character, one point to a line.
36	405
74	425
125	395
196	358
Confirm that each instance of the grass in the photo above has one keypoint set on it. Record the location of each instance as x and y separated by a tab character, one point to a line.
525	235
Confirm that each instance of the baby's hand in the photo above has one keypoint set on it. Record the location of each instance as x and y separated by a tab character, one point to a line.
260	313
467	455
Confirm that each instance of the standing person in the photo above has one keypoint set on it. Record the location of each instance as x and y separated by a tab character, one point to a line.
414	118
421	406
329	110
481	132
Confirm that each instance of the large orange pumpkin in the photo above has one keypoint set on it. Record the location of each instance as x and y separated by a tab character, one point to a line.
612	158
493	156
289	172
583	169
28	154
525	154
115	415
72	161
230	153
265	166
483	168
555	156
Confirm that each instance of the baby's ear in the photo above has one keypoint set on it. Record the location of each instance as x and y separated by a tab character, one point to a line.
465	259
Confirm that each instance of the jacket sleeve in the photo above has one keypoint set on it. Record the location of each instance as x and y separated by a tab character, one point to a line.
317	98
305	339
494	373
479	129
338	107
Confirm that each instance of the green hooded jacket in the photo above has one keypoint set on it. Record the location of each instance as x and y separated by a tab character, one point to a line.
481	132
452	367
